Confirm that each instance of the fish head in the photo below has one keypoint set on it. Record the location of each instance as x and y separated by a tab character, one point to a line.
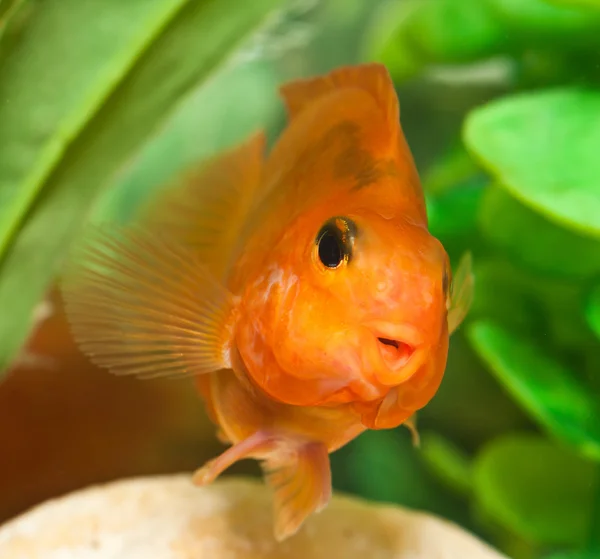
352	304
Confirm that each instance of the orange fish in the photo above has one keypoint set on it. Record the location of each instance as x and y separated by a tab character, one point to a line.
302	289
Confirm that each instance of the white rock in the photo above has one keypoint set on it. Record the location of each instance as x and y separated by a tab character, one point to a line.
168	518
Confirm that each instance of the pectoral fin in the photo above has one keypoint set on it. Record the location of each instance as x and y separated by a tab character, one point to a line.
297	471
411	425
462	292
257	445
140	304
205	207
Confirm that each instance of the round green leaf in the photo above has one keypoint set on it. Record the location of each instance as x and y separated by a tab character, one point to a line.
550	392
543	148
536	489
529	238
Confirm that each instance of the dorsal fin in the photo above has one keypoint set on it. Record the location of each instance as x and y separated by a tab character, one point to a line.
373	78
205	207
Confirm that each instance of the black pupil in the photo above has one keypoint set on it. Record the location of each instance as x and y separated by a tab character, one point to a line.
330	250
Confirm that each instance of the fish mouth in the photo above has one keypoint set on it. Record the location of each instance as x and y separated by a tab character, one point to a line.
399	350
395	353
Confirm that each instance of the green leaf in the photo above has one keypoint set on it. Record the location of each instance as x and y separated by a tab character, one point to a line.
536	489
8	9
54	86
531	304
452	168
454	213
383	466
592	310
411	34
490	411
530	239
540	17
543	148
446	462
418	33
550	392
502	294
217	109
576	3
82	100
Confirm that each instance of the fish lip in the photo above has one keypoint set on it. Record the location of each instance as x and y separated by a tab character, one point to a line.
400	350
404	333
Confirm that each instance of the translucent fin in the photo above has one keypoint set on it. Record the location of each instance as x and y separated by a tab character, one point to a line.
298	472
205	207
257	445
371	77
411	425
462	292
302	484
143	305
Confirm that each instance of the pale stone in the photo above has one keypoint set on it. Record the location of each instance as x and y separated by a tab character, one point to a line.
168	518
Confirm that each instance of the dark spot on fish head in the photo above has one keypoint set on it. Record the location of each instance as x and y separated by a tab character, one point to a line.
356	162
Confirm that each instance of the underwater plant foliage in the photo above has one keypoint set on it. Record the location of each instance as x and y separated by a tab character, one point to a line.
518	183
500	103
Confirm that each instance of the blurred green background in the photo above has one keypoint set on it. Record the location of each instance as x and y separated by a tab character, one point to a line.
102	103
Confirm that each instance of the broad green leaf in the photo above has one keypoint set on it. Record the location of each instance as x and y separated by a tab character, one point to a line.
447	462
8	8
592	310
550	392
543	148
536	489
529	238
89	109
208	120
54	80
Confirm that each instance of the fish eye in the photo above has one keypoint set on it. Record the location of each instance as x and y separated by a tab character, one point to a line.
335	242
